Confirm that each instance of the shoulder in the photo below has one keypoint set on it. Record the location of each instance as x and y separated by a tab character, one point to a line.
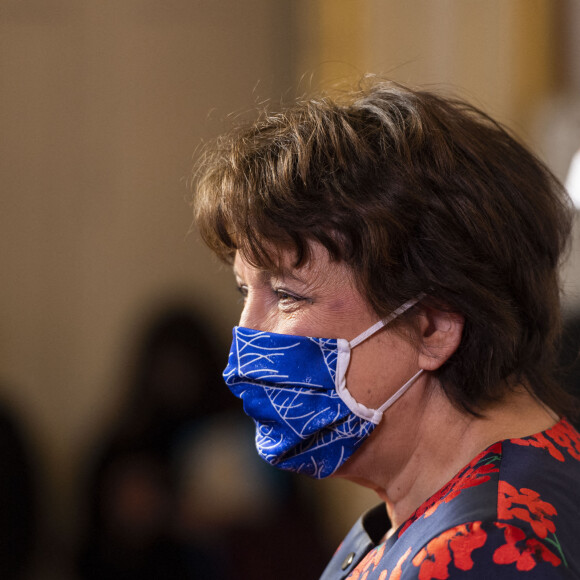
561	444
480	550
512	511
474	551
538	484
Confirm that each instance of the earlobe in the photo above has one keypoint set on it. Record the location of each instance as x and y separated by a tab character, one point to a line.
440	333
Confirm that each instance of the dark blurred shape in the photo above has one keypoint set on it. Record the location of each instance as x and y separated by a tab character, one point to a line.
177	491
18	501
570	355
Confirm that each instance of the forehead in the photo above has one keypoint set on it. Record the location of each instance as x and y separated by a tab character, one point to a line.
319	268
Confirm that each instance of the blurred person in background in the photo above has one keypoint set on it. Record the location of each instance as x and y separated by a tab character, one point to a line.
158	507
18	499
398	255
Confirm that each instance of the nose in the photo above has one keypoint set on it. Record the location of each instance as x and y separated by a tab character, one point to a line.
254	313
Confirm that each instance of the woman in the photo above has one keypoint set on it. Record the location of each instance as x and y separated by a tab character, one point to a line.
419	244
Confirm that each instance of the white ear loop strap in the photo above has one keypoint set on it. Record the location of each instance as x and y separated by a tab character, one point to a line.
399	393
381	323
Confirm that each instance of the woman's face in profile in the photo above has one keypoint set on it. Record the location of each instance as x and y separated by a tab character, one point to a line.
320	299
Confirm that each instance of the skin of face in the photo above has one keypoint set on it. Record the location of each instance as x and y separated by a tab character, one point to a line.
321	300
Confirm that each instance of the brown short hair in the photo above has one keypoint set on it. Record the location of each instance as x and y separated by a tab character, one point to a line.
416	193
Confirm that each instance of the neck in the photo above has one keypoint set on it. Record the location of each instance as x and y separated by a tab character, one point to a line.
423	441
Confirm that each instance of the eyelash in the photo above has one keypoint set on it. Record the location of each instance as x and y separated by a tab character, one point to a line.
286	297
282	296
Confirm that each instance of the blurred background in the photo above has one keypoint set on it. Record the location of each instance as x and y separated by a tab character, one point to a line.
107	295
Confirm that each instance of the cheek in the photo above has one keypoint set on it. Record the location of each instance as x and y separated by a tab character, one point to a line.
379	367
344	316
303	322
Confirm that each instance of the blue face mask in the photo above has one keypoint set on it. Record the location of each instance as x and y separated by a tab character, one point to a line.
294	387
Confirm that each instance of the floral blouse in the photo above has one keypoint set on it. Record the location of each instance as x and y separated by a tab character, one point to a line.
513	512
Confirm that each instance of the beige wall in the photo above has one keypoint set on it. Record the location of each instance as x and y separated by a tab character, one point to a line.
102	105
498	53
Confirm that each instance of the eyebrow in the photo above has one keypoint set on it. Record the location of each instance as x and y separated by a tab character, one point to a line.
288	274
267	275
264	274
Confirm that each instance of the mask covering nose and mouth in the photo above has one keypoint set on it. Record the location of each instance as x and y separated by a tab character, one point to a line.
294	387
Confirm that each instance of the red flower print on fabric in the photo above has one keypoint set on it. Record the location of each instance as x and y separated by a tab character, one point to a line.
541	441
455	545
526	505
476	473
562	433
368	564
372	560
524	553
567	437
398	569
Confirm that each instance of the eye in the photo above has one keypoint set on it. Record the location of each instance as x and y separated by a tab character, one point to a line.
287	299
284	296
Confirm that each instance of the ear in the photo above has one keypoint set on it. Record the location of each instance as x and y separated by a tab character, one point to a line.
439	333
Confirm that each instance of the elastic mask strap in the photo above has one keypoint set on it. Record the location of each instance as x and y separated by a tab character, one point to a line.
399	393
381	323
